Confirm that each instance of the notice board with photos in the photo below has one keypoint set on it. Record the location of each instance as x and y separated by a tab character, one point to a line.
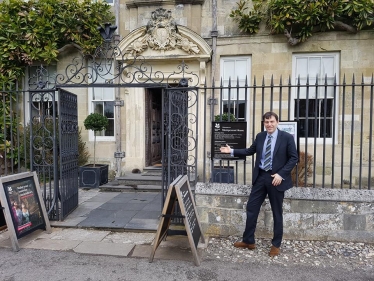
22	205
179	192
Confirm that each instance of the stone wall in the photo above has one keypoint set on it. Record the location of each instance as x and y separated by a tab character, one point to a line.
309	213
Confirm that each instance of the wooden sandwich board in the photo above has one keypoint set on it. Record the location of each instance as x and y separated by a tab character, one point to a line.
23	206
180	191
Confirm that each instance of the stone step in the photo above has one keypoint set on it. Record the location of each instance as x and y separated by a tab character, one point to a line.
140	179
128	188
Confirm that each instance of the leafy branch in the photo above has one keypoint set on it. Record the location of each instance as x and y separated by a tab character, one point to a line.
35	30
298	20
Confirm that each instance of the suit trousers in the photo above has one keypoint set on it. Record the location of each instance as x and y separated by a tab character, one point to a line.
260	189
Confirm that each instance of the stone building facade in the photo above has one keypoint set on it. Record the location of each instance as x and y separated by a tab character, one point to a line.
201	33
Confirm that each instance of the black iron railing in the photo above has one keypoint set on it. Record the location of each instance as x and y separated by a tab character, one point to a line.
334	128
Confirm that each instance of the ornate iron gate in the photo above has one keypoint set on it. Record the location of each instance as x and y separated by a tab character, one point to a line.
43	146
68	151
54	149
180	107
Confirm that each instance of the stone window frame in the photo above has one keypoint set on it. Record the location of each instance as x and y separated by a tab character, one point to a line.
91	108
234	80
321	76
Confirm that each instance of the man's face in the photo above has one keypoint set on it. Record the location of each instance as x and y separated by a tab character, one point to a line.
271	124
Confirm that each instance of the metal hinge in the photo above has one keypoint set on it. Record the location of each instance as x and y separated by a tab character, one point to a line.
119	103
212	101
119	154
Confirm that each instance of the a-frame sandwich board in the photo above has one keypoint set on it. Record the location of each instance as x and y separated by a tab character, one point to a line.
180	191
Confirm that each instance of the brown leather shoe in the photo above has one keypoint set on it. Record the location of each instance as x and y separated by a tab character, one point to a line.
244	245
274	251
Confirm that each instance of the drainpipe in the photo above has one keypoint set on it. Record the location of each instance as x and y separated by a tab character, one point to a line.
212	100
119	154
214	34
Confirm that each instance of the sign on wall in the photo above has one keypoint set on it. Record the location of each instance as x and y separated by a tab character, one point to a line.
233	134
23	206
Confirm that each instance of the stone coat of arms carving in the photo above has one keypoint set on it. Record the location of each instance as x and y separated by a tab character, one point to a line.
162	34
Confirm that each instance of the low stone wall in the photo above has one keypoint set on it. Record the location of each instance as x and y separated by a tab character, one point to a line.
308	213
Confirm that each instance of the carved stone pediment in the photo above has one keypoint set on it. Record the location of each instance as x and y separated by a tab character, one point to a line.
162	34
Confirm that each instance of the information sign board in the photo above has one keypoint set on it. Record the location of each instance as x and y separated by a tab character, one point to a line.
232	133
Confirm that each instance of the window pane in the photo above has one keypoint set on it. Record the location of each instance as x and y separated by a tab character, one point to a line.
329	90
108	94
110	130
326	128
328	107
98	107
301	67
240	70
109	109
328	66
229	107
229	93
306	91
241	110
314	67
97	93
228	70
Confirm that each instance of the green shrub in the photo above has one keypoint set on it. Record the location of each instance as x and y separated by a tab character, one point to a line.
83	153
224	117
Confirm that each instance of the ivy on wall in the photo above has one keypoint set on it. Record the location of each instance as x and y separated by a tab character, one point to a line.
298	20
34	31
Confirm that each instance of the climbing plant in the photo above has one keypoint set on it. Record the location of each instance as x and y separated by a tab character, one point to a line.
298	20
34	31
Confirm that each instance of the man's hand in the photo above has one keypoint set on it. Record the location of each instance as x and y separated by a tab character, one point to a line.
277	179
225	149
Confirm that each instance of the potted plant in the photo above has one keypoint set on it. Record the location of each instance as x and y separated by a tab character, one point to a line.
94	175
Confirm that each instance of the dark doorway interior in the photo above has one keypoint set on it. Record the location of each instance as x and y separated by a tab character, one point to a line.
153	126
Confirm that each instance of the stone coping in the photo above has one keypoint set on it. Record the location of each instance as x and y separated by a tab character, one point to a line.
302	193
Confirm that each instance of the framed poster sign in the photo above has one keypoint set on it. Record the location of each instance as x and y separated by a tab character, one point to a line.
232	133
23	205
291	127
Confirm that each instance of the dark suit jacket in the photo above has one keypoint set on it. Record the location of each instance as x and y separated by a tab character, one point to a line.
284	157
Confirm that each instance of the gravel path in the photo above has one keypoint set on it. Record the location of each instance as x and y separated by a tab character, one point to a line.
311	253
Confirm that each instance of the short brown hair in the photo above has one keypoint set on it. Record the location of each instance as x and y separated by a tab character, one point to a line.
268	115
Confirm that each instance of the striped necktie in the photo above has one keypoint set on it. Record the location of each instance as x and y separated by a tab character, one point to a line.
267	160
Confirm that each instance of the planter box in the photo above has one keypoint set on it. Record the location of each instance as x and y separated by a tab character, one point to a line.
93	177
223	174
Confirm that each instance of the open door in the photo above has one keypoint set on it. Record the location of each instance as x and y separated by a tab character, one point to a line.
153	126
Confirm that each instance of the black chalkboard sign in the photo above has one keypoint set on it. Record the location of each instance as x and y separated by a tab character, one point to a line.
22	205
180	192
232	133
188	210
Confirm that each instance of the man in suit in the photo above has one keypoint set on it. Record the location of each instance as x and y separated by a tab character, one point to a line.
276	157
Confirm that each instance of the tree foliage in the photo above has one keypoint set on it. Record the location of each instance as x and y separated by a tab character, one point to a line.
34	31
300	19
